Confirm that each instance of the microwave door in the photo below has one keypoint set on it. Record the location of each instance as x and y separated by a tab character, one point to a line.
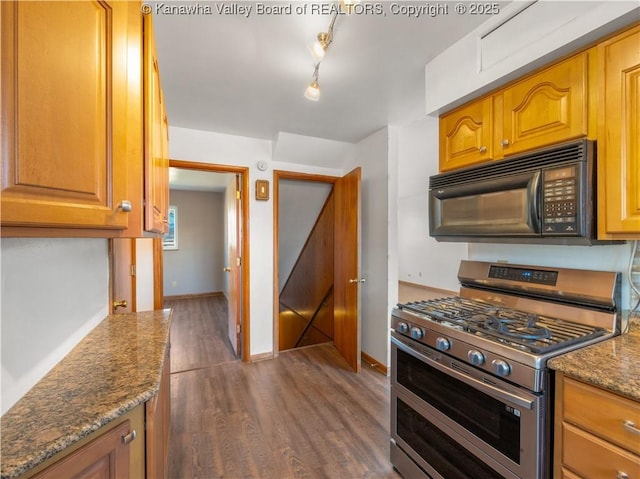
496	207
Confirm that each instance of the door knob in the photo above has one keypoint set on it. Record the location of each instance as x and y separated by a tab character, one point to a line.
120	304
356	280
227	270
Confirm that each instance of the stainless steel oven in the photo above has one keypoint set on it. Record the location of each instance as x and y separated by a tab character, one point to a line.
485	427
471	396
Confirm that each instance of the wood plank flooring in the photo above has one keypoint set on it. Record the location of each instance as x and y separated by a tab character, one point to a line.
199	332
301	415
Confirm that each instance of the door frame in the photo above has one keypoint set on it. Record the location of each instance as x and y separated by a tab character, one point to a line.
277	176
244	200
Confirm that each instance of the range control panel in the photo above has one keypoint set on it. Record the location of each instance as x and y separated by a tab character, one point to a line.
525	275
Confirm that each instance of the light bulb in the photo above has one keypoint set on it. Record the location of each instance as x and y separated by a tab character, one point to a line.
317	51
313	91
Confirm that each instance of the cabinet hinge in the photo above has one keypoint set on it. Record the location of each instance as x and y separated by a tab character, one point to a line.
237	194
237	328
133	270
238	261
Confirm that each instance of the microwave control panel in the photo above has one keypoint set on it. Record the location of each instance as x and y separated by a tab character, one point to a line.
560	201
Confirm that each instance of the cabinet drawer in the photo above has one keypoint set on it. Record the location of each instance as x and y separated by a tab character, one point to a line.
593	458
602	413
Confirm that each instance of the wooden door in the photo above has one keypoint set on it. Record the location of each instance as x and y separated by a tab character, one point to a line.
123	280
619	137
234	258
347	282
546	108
63	107
466	135
156	162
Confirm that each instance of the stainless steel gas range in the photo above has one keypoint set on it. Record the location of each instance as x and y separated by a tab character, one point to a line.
471	396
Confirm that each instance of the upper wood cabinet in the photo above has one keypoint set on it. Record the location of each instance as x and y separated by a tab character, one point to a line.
546	108
619	137
541	109
63	99
156	154
466	135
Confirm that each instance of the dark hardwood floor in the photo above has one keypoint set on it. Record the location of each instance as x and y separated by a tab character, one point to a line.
301	415
199	333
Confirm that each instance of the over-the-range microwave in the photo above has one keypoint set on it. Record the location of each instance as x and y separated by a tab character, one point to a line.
544	196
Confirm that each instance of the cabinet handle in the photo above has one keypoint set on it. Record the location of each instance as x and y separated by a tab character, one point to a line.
505	142
125	205
622	475
356	280
483	149
630	426
128	439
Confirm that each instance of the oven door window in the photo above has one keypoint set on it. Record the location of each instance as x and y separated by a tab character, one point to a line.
491	420
441	452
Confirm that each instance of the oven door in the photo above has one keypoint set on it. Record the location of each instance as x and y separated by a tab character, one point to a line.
495	207
457	422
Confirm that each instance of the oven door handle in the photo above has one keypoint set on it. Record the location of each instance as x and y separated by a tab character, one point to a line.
482	386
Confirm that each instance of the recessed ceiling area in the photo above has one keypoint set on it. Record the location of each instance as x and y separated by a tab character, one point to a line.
246	74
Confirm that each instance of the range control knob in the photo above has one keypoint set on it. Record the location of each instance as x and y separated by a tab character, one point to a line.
416	333
500	367
475	357
443	344
402	327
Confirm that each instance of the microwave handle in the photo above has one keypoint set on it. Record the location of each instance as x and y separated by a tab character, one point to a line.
533	191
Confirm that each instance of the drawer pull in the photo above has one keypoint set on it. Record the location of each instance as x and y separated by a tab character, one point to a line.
622	475
128	439
630	426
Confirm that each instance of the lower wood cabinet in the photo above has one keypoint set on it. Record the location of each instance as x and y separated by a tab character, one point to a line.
113	451
596	433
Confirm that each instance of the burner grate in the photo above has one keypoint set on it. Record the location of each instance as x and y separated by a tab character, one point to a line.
518	329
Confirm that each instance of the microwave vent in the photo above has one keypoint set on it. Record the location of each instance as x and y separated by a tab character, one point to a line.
556	156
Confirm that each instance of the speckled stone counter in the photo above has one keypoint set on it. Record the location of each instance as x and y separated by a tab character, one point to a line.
116	367
613	364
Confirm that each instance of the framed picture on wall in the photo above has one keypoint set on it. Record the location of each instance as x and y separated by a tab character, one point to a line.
170	240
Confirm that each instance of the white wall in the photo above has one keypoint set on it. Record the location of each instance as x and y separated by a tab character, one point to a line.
372	154
422	260
196	267
144	274
54	291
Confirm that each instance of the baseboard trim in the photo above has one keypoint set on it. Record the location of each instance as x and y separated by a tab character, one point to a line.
374	363
196	295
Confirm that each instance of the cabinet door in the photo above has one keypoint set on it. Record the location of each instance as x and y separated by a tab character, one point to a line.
155	158
465	135
619	137
546	108
105	457
62	102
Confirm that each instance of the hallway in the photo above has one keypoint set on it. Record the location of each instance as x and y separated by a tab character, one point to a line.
302	415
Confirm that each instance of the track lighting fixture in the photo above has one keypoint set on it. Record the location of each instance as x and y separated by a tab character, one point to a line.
313	90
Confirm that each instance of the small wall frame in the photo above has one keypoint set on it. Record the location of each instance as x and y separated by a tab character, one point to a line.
262	190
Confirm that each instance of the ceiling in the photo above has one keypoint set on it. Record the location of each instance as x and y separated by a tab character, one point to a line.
246	75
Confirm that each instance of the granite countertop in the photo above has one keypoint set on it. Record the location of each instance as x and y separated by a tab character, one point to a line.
116	367
613	364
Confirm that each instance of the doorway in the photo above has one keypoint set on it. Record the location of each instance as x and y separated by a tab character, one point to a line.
236	261
340	293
